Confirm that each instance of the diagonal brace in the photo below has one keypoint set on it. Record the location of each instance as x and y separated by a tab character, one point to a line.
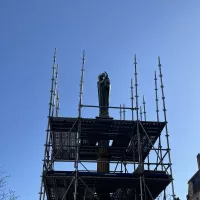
68	188
152	144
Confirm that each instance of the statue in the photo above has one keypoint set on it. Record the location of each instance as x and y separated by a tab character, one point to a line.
103	85
103	164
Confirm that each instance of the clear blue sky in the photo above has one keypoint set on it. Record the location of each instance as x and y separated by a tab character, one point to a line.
111	32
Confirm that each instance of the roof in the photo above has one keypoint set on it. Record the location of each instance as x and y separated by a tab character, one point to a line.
195	176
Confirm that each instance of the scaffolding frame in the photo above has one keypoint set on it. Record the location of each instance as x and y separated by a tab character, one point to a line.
161	153
54	106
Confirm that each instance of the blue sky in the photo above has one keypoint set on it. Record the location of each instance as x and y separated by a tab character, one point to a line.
111	32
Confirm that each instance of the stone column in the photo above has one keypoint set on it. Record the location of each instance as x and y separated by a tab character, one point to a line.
103	160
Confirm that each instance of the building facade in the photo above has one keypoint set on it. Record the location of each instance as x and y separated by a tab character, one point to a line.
194	184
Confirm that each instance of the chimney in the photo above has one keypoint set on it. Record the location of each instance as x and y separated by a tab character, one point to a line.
198	161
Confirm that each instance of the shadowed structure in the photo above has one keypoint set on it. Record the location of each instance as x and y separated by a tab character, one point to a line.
121	148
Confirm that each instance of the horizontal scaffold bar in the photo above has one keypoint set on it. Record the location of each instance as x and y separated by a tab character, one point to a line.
113	107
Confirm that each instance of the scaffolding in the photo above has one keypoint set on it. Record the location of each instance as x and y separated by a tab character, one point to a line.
138	150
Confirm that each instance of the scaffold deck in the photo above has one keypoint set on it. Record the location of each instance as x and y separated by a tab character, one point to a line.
122	135
57	182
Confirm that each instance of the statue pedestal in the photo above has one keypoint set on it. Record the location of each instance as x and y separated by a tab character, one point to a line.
103	164
103	160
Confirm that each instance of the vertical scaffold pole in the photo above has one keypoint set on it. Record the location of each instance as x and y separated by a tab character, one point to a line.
55	90
166	127
141	113
157	114
144	109
79	127
145	118
57	104
156	99
124	112
120	112
42	190
138	131
55	84
81	85
132	100
132	112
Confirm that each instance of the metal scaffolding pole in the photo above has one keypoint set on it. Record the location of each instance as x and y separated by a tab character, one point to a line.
42	190
124	112
138	131
79	127
113	107
55	84
157	114
57	104
132	112
55	90
120	115
166	127
145	118
141	113
132	99
156	98
81	85
124	118
120	112
57	99
144	109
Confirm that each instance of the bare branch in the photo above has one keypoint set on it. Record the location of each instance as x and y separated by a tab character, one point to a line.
5	194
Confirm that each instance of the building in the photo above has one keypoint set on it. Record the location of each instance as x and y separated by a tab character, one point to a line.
194	184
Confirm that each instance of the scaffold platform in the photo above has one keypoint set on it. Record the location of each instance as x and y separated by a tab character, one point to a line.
122	135
57	182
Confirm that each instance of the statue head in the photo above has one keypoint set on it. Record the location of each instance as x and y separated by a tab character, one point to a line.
102	76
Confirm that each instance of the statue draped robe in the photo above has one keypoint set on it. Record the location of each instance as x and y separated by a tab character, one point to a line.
103	85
